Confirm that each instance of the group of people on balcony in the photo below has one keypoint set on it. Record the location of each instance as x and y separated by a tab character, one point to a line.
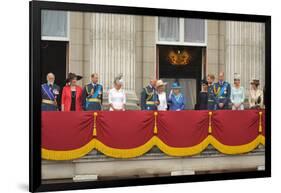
221	95
153	97
75	98
213	96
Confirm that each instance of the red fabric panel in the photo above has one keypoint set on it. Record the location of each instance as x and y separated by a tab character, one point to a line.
125	129
66	130
182	128
130	129
235	127
263	122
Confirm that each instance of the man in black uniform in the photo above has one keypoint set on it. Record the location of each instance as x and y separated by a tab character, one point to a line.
49	92
149	96
92	95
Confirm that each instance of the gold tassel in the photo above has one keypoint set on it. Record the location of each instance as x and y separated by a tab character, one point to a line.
260	121
155	123
210	122
95	125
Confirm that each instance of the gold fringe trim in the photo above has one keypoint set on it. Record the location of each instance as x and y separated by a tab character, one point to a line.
69	154
239	149
125	153
154	141
182	151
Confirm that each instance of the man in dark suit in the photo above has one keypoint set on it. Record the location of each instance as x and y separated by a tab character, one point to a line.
92	95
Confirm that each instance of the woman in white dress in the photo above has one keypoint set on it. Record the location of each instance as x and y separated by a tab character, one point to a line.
160	86
255	95
117	96
237	95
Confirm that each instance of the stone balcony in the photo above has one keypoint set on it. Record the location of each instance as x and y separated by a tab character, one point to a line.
96	166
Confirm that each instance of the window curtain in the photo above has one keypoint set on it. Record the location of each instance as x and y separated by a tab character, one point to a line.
194	30
168	29
54	23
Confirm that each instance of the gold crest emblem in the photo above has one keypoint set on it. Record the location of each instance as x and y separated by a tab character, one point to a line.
179	57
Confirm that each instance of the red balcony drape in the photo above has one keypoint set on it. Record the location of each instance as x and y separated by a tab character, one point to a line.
127	134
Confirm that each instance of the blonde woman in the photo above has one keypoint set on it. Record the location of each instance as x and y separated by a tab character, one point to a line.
160	86
117	96
237	96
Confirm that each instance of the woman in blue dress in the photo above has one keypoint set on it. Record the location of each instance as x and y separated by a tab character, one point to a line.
176	99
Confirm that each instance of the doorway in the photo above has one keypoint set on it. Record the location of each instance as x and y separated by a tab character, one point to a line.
182	64
54	58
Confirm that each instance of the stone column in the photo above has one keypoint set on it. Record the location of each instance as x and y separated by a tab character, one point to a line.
215	47
139	55
76	44
80	45
149	48
113	50
212	66
244	47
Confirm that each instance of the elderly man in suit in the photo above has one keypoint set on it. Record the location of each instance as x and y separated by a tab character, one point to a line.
49	92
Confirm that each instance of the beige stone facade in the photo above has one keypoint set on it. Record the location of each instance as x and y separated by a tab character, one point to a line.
110	44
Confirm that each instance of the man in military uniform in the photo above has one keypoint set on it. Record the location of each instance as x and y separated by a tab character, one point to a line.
222	91
211	95
92	95
149	96
49	92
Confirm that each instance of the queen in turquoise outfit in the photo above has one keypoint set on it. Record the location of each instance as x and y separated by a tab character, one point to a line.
176	99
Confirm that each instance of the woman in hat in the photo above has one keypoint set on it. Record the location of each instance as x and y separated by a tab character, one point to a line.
237	95
117	96
72	94
176	98
160	86
203	96
255	95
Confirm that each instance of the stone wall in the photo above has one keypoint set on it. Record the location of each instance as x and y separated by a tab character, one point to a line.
110	44
96	166
245	51
215	47
76	44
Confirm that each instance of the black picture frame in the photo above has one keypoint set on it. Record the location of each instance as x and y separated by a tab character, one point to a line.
35	8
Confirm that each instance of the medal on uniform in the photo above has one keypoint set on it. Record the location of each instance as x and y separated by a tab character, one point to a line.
55	91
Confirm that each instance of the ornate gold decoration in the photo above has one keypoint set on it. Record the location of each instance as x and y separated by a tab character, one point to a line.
95	124
260	121
155	130
179	57
210	122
